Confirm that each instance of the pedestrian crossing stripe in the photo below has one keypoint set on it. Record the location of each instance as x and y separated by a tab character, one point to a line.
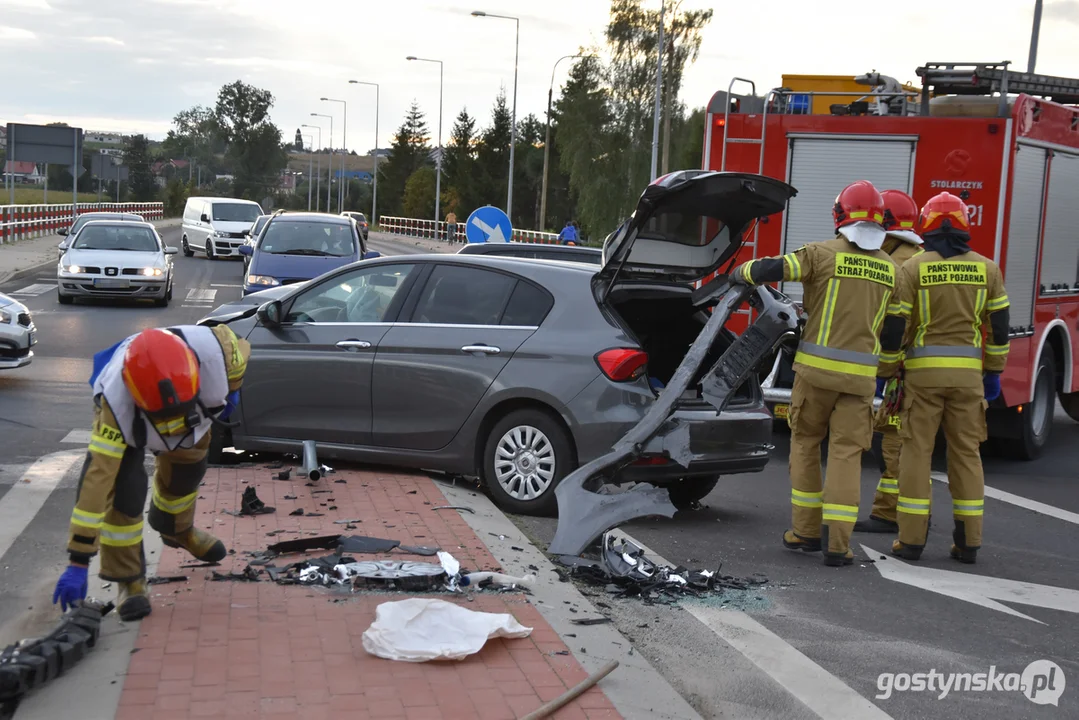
35	289
201	295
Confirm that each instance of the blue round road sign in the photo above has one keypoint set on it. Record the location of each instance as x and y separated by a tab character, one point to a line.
488	224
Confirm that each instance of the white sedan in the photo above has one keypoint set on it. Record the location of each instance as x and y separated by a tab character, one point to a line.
118	260
17	334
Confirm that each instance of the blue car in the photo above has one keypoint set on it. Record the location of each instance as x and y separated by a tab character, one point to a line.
295	247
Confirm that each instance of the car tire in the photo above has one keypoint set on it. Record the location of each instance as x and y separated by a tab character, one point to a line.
685	494
64	299
217	445
188	252
210	250
1036	420
541	448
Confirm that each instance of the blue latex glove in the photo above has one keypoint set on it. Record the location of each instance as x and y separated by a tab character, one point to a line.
232	401
881	382
71	587
991	383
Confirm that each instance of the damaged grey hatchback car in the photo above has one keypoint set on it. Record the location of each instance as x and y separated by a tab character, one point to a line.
515	371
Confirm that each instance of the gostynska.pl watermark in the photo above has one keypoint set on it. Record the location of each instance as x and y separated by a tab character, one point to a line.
1042	682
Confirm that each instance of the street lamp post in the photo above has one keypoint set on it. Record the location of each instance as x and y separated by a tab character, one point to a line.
438	160
513	126
344	152
659	89
547	141
1034	36
318	171
374	192
329	172
310	166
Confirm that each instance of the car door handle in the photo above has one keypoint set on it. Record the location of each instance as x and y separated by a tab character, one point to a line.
353	345
485	349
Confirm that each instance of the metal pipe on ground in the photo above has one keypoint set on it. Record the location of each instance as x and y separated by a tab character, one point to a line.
311	467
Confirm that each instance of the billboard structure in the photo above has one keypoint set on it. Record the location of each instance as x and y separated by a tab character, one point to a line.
48	144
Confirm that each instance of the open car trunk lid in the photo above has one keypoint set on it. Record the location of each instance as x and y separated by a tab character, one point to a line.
688	223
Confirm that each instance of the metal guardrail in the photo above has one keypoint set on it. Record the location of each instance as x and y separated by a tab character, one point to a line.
438	230
21	222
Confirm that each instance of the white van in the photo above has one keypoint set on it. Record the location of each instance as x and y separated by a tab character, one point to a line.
217	226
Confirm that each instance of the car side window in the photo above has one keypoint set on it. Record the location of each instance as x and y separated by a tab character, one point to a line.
456	295
362	296
528	305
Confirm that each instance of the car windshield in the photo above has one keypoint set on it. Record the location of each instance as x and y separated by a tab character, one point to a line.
81	222
285	237
116	237
236	212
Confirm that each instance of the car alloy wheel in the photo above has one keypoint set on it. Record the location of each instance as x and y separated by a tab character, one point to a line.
209	250
525	463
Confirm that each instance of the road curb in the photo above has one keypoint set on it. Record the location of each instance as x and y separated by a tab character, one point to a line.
18	274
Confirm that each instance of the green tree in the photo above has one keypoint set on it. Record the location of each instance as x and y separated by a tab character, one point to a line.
254	143
174	197
681	46
409	152
492	155
419	200
459	193
140	178
528	172
195	136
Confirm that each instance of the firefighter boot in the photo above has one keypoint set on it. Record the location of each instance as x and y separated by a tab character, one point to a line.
831	558
876	525
202	545
960	550
907	552
794	541
133	602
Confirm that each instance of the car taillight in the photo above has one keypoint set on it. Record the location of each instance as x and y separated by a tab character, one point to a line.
622	364
652	460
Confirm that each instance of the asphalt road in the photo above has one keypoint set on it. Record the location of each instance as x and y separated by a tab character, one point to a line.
812	642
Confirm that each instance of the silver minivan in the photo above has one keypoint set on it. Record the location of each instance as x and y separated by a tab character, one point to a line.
217	226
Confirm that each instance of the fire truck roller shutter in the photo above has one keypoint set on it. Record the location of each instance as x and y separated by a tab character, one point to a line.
1024	229
821	166
1060	244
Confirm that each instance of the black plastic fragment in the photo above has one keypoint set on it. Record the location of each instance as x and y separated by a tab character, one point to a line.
297	511
590	621
364	544
165	579
319	542
418	549
250	504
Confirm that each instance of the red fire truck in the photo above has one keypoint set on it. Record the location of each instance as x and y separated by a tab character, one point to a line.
1006	142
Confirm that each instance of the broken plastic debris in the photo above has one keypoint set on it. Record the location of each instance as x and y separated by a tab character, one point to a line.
364	544
482	579
321	542
251	505
422	629
454	507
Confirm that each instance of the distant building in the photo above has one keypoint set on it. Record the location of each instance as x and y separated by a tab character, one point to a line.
382	153
287	183
23	172
3	135
361	175
103	138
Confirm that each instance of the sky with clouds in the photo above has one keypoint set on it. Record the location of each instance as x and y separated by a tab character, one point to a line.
130	65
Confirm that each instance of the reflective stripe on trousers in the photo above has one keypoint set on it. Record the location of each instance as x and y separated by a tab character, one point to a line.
121	535
968	508
806	499
839	513
888	485
174	507
913	506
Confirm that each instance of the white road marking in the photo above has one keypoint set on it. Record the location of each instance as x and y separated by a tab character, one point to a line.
978	589
819	690
1018	500
81	437
201	295
200	306
229	285
21	503
35	289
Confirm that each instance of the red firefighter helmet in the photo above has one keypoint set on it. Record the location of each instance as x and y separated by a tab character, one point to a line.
944	213
858	202
900	210
162	374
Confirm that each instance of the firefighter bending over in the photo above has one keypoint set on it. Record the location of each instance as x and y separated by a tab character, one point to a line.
847	283
160	390
901	243
944	299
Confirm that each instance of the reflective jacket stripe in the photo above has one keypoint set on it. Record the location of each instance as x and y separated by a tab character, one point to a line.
923	300
842	513
890	357
86	519
944	351
835	365
954	363
877	321
912	506
996	349
121	535
806	499
979	308
900	308
829	309
794	267
850	356
997	303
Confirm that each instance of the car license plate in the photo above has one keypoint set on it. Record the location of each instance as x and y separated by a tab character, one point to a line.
33	338
782	412
111	283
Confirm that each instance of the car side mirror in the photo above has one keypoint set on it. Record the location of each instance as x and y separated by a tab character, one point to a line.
171	251
371	255
63	246
246	250
205	218
270	314
62	231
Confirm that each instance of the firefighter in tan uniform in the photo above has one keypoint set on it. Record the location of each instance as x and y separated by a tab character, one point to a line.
848	283
901	243
945	297
160	390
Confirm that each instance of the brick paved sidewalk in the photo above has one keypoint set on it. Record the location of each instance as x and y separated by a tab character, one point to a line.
242	650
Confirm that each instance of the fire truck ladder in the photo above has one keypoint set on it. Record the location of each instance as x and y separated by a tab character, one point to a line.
990	78
752	245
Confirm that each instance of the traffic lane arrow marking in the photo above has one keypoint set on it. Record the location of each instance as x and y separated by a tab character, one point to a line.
493	233
978	589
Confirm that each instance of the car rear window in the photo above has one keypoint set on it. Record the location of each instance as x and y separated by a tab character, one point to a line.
116	237
528	306
463	296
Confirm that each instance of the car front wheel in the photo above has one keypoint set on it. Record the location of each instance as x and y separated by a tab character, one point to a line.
209	250
64	299
526	455
188	252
